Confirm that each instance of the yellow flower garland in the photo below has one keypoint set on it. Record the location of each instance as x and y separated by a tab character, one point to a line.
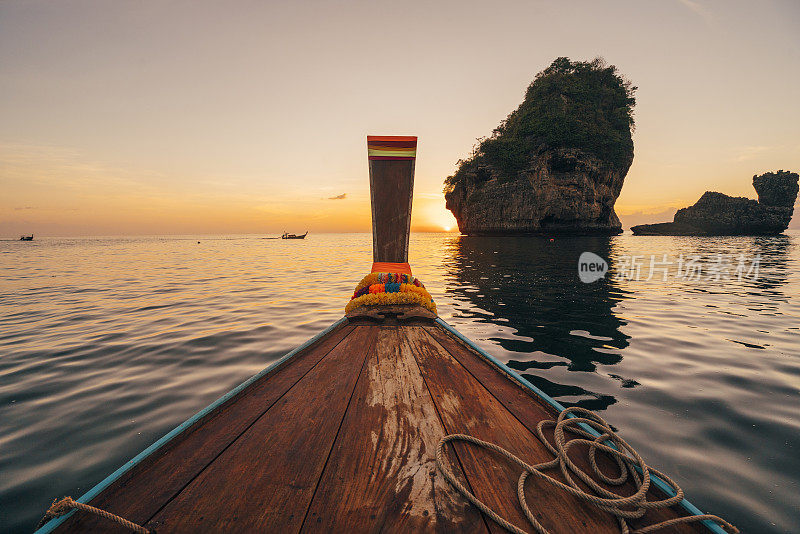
389	289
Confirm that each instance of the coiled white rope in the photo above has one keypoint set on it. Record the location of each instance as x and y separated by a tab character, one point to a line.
626	457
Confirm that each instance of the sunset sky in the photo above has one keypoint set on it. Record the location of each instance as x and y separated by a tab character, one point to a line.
139	117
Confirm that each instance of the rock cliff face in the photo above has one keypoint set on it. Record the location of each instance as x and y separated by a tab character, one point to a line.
562	191
556	164
719	214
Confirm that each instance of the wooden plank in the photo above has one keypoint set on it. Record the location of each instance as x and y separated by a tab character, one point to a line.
530	409
141	492
266	478
466	407
382	476
392	187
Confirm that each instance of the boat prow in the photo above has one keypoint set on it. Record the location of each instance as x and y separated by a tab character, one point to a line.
341	435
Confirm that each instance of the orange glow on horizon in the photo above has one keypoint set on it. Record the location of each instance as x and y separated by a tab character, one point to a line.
105	134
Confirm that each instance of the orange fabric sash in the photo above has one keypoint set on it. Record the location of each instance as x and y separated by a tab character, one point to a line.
388	267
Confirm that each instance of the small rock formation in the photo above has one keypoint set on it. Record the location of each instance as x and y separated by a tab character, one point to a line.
556	165
719	214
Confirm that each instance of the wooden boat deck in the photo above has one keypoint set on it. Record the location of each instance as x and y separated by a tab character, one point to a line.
342	438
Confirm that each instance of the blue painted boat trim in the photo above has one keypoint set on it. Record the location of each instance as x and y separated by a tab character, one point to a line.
92	493
657	481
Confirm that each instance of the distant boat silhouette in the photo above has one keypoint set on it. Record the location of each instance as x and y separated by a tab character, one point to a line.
294	236
30	237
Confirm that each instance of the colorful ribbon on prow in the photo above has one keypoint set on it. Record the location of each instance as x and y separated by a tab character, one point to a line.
382	147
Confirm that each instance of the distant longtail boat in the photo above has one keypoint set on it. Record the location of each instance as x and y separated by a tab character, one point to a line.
26	237
294	236
381	423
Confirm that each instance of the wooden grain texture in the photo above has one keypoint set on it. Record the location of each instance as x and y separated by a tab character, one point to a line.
530	409
343	438
149	485
466	407
392	187
266	478
381	475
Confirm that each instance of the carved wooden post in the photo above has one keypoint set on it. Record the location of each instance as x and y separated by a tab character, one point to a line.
391	181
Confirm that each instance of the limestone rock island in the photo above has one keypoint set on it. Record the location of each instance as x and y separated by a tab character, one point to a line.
719	214
556	164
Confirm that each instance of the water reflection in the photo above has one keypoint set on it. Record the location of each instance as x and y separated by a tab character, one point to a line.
532	285
774	254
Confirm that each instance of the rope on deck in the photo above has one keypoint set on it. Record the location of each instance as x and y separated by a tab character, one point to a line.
59	508
627	459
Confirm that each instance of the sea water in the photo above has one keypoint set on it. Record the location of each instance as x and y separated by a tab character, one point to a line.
106	344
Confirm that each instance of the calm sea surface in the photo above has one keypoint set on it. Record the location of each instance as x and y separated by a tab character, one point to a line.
106	344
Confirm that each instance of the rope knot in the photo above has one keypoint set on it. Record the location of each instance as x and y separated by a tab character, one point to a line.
57	509
60	507
67	504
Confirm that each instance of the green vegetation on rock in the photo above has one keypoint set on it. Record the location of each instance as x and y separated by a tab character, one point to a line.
580	105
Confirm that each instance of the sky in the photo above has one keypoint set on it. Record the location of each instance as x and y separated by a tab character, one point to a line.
144	117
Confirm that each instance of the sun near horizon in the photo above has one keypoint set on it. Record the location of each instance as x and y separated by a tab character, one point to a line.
226	118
